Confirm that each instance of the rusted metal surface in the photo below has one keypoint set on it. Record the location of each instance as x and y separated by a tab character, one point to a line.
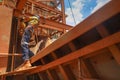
5	29
83	53
109	10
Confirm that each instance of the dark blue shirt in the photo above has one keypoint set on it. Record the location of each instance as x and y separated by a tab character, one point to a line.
27	35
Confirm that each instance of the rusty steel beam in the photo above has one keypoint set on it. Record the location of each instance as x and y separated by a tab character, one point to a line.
98	45
51	27
92	21
52	24
63	10
18	72
55	24
114	49
45	0
21	4
19	7
45	6
6	54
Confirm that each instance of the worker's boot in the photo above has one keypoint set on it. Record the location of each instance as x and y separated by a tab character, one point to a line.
25	65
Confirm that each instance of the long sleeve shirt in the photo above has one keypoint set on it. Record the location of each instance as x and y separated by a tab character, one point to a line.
27	35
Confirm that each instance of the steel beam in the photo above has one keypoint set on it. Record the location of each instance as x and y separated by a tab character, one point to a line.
55	24
101	44
41	5
91	22
19	8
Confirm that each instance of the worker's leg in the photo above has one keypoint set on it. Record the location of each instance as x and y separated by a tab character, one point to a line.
25	51
31	54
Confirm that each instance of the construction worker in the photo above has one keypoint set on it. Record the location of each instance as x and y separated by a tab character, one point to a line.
27	53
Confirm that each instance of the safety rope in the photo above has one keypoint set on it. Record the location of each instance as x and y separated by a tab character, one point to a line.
72	12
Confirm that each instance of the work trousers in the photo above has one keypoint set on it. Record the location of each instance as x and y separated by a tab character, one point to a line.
26	52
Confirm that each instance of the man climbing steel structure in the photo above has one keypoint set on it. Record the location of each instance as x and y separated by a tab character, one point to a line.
27	53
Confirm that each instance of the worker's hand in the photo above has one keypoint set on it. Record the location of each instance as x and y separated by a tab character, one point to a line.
32	44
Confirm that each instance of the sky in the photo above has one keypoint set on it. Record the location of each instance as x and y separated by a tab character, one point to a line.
81	9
